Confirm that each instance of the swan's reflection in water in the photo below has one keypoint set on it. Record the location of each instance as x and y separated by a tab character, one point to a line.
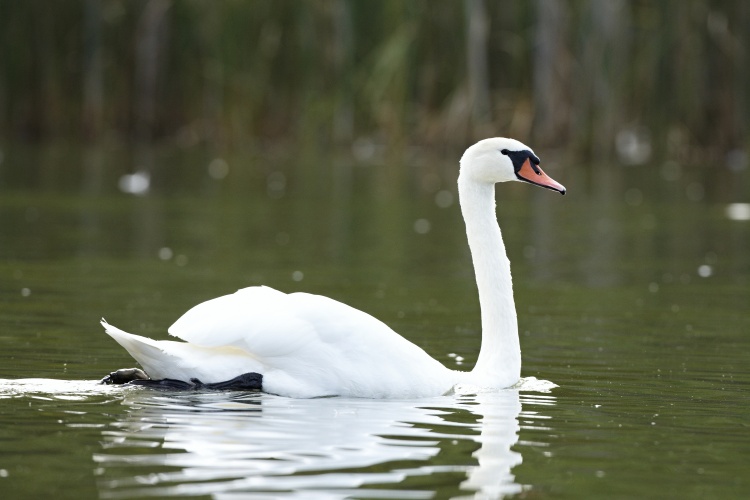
231	445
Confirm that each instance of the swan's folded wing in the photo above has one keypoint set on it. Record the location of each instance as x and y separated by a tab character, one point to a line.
256	319
272	324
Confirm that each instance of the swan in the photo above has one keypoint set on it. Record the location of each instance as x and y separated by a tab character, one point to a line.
302	345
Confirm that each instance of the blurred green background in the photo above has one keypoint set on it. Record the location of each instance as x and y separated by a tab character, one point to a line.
593	82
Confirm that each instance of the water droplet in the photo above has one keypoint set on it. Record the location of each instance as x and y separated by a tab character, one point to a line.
444	198
738	211
422	226
137	183
165	253
705	271
218	168
633	145
298	275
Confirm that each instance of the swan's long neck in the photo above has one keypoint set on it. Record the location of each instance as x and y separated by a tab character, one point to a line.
499	362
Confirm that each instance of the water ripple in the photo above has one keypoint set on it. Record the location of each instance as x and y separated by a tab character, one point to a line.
213	443
170	444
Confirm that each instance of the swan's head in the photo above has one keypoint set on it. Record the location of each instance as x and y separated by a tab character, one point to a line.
499	160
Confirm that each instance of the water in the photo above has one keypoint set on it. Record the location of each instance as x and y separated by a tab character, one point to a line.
631	291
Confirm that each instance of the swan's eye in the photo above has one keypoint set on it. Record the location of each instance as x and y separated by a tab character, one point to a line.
505	152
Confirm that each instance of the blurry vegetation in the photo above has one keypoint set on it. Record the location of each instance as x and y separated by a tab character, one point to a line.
604	79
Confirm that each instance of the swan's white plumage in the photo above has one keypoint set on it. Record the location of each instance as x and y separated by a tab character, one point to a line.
309	346
304	345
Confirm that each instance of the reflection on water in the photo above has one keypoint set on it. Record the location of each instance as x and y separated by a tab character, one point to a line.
165	443
171	444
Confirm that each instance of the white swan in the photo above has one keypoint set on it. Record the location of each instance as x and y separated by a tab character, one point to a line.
303	345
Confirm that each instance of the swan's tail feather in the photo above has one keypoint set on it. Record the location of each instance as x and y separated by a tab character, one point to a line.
167	359
146	351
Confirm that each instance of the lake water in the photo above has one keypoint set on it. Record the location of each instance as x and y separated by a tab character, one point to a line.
632	294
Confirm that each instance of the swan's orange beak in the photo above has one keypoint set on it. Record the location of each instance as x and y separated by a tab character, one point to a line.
533	174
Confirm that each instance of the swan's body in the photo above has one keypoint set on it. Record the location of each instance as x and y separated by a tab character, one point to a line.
307	345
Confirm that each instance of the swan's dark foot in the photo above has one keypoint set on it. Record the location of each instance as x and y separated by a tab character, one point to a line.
135	376
123	376
246	382
166	383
